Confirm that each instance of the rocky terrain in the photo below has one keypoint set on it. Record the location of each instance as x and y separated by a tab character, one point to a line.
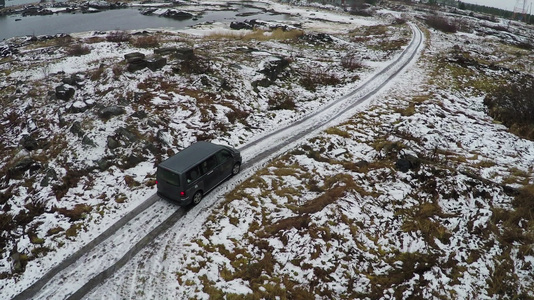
424	193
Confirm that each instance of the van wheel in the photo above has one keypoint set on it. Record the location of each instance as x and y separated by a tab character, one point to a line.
236	169
197	198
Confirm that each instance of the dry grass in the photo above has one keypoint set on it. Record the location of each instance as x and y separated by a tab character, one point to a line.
78	50
258	35
149	41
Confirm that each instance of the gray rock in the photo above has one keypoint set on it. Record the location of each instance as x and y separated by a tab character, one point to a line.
134	56
76	129
64	92
113	143
102	164
140	114
126	135
88	141
407	163
108	112
29	143
49	176
137	65
184	53
22	166
132	161
77	107
62	121
156	63
165	51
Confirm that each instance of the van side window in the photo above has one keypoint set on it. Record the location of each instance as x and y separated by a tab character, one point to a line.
223	155
209	164
192	174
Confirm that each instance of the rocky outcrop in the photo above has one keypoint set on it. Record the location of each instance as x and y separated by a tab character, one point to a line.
22	166
138	61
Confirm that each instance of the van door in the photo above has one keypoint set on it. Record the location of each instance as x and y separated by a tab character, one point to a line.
210	172
226	162
169	184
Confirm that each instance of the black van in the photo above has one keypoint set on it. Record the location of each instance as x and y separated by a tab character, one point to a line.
194	171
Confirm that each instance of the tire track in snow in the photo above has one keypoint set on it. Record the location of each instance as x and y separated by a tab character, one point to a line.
285	137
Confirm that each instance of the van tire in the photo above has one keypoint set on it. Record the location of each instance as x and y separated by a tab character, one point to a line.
236	169
197	198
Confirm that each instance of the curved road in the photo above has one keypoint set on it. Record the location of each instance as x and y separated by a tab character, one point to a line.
81	272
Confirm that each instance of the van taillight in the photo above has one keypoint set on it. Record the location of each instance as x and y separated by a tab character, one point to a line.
182	194
156	182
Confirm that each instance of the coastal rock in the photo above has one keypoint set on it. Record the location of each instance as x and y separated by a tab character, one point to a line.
177	14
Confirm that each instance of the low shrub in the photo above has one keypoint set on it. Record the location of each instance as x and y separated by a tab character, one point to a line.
351	62
311	78
149	41
441	24
513	106
281	101
78	50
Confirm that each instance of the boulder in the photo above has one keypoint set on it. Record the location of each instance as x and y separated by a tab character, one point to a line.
102	164
74	79
156	63
126	135
113	143
76	129
136	65
240	25
77	107
407	163
49	176
64	92
184	53
132	161
140	114
87	141
28	142
134	56
22	166
273	68
111	111
177	14
165	51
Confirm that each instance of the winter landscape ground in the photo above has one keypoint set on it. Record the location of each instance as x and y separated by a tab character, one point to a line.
425	192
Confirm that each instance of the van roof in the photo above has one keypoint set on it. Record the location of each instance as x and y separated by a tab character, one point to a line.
188	157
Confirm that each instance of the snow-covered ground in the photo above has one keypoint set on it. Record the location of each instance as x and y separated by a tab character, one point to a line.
332	217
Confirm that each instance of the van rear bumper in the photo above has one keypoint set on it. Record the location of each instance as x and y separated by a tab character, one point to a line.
181	201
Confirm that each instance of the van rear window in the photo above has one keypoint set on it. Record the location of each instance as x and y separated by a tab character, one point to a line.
168	176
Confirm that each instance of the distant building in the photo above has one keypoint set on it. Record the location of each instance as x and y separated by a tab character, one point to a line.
2	3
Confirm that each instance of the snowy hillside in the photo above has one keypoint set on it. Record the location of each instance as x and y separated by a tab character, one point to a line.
421	194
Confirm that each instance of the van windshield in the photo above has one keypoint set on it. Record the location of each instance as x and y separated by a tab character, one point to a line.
168	176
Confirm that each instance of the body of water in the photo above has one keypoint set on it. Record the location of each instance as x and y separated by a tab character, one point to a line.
116	19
